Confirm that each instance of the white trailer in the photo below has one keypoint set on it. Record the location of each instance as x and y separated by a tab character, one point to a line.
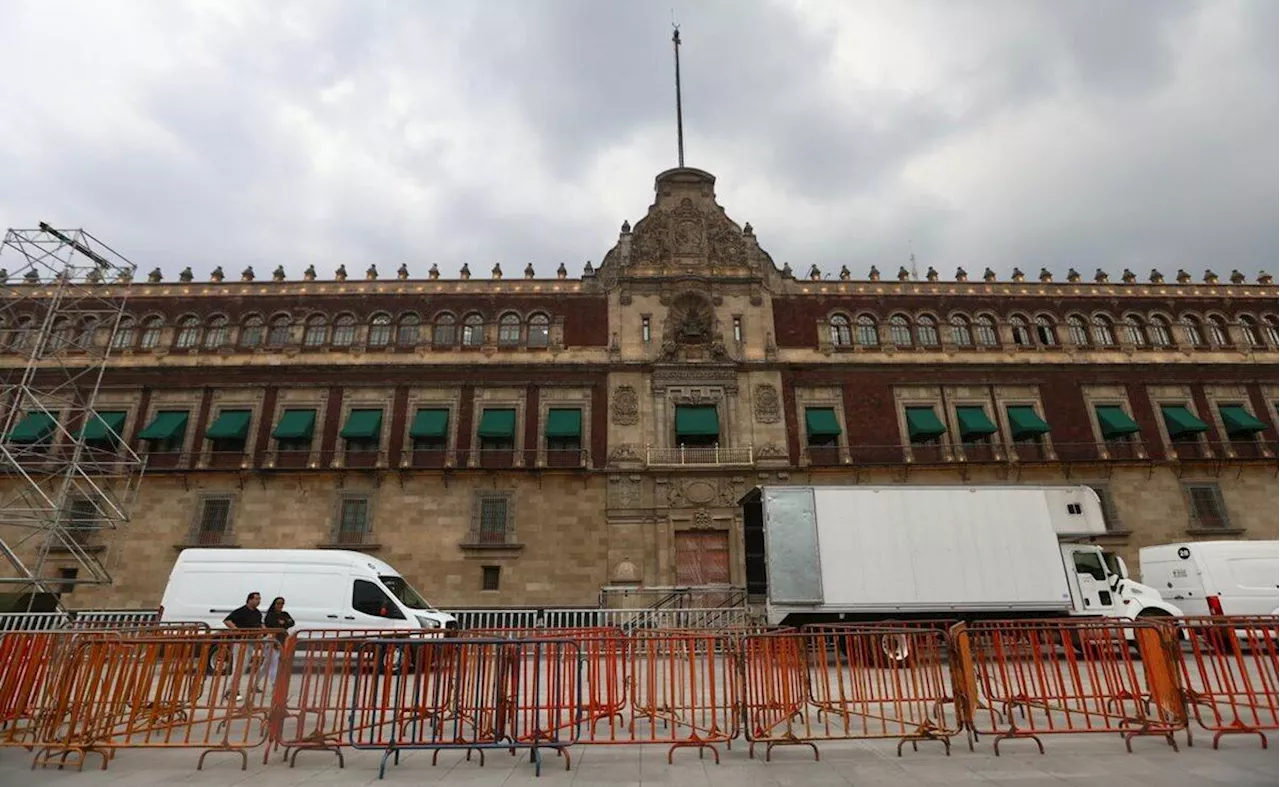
855	553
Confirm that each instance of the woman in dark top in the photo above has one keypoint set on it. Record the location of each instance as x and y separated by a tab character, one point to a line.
278	621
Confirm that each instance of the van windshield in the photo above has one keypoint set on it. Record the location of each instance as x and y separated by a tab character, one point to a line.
405	592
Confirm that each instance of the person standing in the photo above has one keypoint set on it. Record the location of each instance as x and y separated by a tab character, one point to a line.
245	617
278	621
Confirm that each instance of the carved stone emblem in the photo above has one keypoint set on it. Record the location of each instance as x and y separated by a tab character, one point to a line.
625	452
701	519
626	406
768	409
771	451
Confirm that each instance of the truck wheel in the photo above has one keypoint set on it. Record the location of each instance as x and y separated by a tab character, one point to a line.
896	649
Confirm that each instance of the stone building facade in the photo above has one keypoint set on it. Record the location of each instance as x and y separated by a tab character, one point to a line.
509	440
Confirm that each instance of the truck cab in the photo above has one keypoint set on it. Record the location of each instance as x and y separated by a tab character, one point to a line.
1127	597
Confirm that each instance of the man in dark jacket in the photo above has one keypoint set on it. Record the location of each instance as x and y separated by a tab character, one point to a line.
245	617
248	616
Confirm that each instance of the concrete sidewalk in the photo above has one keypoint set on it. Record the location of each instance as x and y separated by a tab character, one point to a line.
1091	760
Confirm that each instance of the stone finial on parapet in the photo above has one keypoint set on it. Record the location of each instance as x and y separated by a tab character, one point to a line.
1100	276
247	274
562	272
465	273
155	276
1018	275
186	275
402	273
341	273
434	273
1210	277
962	274
1156	277
309	274
988	275
874	274
1265	278
528	271
496	273
845	275
1073	275
278	273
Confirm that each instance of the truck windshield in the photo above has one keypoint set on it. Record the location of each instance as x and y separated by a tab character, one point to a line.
405	592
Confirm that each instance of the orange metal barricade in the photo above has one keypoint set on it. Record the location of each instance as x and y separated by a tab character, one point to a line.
469	694
1228	667
847	682
157	690
1024	679
314	699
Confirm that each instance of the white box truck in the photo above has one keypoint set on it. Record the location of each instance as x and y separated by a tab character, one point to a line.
322	589
822	554
1215	577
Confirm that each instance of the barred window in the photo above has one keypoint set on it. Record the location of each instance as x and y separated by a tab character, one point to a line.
841	336
539	331
491	518
961	334
1109	514
353	520
278	336
900	330
188	332
1159	331
251	333
927	330
317	332
1208	512
380	331
1191	330
868	336
473	331
1076	329
445	331
509	330
344	331
1103	336
216	336
987	331
214	522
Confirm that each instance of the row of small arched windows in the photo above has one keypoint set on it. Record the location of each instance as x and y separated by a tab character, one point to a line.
1043	331
316	331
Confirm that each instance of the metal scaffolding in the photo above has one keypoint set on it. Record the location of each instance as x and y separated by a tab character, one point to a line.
68	478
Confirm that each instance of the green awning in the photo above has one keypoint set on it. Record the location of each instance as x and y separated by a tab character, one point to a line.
974	422
362	425
1025	422
430	424
1238	420
563	422
923	423
295	425
821	422
697	421
497	424
1179	421
1115	422
33	428
104	426
230	425
168	425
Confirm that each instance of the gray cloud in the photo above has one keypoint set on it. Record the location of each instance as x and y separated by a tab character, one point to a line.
1001	132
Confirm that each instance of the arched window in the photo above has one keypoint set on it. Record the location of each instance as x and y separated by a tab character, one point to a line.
20	339
1269	329
472	331
408	333
380	330
1133	331
927	331
1191	331
188	332
217	333
961	333
1077	331
1103	335
125	332
900	330
86	332
344	331
509	330
317	331
151	333
841	336
986	331
1249	329
445	331
278	335
868	336
539	331
1045	333
1021	333
1217	331
1158	329
251	332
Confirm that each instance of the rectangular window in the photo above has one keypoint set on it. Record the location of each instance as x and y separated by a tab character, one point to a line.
491	518
737	329
68	576
293	434
353	520
490	577
923	426
646	333
213	524
1208	512
1109	514
697	425
80	520
166	432
229	432
429	430
363	431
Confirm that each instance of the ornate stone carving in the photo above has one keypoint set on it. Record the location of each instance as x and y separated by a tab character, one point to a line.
624	452
687	232
626	406
623	492
702	519
771	451
768	409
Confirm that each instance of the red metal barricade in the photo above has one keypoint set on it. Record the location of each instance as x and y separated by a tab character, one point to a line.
848	682
1228	668
1025	679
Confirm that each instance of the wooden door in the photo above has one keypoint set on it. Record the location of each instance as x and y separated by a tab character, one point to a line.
702	557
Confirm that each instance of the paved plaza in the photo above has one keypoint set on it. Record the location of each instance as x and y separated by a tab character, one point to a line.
1075	760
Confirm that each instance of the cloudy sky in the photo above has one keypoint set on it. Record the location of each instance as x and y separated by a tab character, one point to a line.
1134	133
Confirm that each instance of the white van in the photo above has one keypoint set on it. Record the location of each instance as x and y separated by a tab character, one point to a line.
322	588
1215	577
